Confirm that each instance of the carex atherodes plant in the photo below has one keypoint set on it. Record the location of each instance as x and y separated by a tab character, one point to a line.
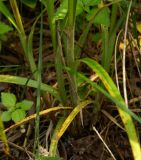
68	38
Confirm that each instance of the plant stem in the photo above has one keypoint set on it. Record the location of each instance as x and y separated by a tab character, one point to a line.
17	16
105	47
26	44
81	41
54	139
3	137
59	71
57	50
70	56
113	17
38	100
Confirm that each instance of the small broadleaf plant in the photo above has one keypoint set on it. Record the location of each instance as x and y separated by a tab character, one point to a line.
16	111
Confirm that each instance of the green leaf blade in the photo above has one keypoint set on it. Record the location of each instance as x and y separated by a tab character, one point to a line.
125	113
102	17
4	28
103	75
6	116
26	105
28	82
18	115
8	99
5	11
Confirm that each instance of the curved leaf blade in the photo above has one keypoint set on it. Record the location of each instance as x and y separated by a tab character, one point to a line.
31	117
71	117
126	118
5	11
28	82
98	88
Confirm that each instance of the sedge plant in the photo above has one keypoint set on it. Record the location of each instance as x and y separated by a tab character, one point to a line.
125	115
62	27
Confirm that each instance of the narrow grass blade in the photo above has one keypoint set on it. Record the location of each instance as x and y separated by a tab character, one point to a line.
59	71
28	82
5	11
119	104
54	142
103	75
63	125
105	48
98	88
39	81
71	117
17	16
81	41
57	48
33	116
113	91
50	10
70	54
29	54
3	137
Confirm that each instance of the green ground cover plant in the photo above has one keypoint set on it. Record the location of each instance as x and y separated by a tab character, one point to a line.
16	111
